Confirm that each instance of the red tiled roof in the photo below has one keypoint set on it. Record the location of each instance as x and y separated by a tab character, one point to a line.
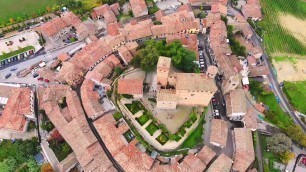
251	11
138	7
125	54
105	11
63	57
113	28
71	19
219	8
159	14
115	8
130	86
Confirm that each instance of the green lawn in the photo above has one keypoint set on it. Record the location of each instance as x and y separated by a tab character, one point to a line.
13	53
117	116
296	93
22	9
276	38
151	128
162	138
281	119
195	138
142	119
134	107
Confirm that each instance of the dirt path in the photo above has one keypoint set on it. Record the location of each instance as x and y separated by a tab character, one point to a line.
291	71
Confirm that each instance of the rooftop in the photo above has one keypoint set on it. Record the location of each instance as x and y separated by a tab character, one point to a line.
206	155
130	86
236	102
244	155
195	82
164	62
222	164
138	7
219	131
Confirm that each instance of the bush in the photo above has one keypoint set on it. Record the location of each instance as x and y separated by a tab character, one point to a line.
117	116
142	119
151	128
127	96
162	138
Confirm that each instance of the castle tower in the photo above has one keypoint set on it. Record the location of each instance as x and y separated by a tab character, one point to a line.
212	71
231	84
163	69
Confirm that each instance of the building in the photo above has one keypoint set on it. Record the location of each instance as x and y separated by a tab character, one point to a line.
206	155
17	108
231	84
244	154
252	10
139	8
191	89
131	86
222	164
219	131
219	8
236	106
106	13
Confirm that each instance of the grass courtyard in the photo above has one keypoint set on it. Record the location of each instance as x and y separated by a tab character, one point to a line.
151	128
296	93
142	119
278	39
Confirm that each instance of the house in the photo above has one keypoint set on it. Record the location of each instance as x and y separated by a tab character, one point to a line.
105	12
139	8
219	8
54	29
17	108
191	163
131	86
222	164
252	11
236	106
190	89
125	54
219	131
244	154
206	155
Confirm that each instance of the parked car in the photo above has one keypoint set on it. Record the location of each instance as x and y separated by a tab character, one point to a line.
13	68
8	75
35	75
20	29
47	80
40	79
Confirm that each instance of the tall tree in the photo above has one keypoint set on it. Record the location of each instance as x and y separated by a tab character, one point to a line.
279	143
286	156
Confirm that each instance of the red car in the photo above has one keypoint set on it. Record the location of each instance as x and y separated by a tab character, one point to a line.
40	79
47	80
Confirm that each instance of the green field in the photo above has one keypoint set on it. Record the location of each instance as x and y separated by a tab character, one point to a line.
20	9
276	38
296	93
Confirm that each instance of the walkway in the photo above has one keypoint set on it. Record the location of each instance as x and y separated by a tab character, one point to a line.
49	154
5	134
169	145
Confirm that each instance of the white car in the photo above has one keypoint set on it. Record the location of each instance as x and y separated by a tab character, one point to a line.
202	63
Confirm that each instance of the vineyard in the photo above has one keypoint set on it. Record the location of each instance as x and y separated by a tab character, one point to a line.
277	39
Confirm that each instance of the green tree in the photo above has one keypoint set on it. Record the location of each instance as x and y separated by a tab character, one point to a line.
8	165
118	70
32	165
279	143
295	132
286	156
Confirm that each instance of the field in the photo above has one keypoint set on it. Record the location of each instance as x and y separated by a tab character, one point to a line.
21	8
279	18
290	68
296	93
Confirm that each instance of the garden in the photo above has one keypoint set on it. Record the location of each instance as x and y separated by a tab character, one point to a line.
18	154
277	39
134	107
151	128
142	119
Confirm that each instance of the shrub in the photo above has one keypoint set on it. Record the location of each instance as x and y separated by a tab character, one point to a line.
162	138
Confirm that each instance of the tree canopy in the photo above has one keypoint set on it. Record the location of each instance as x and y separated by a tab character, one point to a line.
147	57
279	143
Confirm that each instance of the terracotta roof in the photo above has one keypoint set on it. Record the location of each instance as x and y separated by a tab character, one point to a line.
159	14
115	8
219	8
52	27
184	7
219	131
113	59
191	163
244	155
250	119
260	107
132	47
114	140
130	86
71	19
236	102
63	57
166	95
206	155
222	164
256	2
139	7
106	12
210	19
17	106
251	60
195	82
251	11
125	54
189	40
6	90
70	74
113	28
90	99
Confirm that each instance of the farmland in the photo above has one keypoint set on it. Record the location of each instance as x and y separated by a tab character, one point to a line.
22	9
277	37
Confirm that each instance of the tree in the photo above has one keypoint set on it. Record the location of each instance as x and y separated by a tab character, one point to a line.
295	132
279	143
47	168
286	156
32	165
118	70
12	20
9	164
